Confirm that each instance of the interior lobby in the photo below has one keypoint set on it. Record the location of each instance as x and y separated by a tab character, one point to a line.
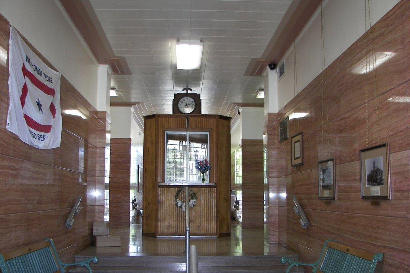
289	129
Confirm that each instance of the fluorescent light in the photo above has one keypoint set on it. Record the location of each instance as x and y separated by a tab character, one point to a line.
297	115
369	64
74	112
3	56
113	92
189	54
399	99
260	94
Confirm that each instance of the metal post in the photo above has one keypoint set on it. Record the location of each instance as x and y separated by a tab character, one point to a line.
194	260
187	227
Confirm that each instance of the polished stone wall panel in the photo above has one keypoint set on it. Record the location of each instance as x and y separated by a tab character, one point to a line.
350	112
40	186
120	182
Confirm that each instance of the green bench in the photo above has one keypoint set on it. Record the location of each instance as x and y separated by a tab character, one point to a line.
338	258
41	257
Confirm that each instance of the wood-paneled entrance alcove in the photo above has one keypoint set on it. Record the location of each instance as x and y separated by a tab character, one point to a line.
211	215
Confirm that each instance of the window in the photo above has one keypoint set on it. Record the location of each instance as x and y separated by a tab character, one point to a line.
238	166
182	149
281	69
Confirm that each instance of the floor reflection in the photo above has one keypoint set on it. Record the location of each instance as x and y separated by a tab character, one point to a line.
241	242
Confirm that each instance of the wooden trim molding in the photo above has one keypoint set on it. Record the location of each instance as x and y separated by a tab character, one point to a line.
123	103
86	21
244	104
293	22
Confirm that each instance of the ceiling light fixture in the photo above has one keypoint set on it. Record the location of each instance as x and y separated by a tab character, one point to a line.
113	92
74	112
260	93
297	115
189	54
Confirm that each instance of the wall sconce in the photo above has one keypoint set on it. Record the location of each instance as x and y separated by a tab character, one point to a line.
297	115
74	112
113	92
260	93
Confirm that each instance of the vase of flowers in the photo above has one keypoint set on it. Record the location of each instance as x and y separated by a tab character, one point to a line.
203	167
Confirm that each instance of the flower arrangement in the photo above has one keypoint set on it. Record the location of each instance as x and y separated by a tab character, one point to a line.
202	166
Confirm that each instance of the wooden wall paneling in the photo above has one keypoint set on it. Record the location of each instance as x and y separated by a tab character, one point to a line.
96	167
172	219
223	146
42	185
166	123
208	125
120	161
150	202
159	221
357	111
203	215
252	183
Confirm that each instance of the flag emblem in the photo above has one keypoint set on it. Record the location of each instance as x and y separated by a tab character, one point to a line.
34	111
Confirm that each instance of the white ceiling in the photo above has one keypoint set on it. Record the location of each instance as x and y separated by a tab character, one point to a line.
145	33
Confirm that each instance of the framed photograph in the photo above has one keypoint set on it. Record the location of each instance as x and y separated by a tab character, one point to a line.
283	129
375	177
326	174
297	150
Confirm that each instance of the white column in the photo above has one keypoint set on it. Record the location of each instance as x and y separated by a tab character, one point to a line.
271	100
121	122
103	88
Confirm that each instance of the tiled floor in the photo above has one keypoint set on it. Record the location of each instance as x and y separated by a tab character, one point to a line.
242	242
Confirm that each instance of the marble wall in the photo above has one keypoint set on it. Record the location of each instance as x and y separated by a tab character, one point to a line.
120	162
252	183
39	187
349	112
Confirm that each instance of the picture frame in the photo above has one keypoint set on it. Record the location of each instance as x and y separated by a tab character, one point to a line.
326	179
375	172
284	129
297	150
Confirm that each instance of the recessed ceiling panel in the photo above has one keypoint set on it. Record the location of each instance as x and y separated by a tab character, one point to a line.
232	32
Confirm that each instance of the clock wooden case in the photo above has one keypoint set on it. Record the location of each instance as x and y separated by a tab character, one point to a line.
179	96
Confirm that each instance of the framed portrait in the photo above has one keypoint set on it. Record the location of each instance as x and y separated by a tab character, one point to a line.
297	150
283	129
326	174
375	176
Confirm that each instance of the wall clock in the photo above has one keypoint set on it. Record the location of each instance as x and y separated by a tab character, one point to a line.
186	103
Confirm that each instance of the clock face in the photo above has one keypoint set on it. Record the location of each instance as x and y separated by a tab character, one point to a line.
186	105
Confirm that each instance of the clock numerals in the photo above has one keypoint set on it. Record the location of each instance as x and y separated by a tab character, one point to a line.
186	105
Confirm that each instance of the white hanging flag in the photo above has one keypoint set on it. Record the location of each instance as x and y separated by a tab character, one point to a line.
34	89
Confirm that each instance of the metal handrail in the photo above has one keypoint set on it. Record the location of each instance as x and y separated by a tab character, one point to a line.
187	231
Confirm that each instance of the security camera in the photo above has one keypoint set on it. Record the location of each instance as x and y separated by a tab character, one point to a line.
272	66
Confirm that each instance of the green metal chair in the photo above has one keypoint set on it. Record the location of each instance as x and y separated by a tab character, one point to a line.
338	258
40	257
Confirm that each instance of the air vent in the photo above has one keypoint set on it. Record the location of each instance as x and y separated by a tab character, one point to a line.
281	69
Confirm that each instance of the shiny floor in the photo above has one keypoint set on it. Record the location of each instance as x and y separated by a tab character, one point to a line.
242	242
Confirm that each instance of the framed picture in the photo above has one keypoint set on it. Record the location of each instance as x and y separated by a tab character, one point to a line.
283	129
375	177
297	150
326	174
